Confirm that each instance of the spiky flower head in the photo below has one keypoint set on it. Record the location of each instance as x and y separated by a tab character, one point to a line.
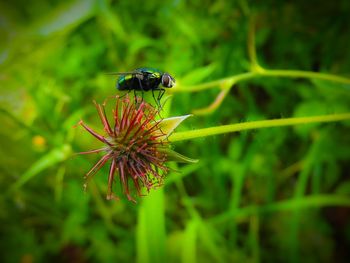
136	145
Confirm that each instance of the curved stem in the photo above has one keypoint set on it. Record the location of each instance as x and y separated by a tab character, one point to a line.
215	83
181	136
254	63
260	72
212	107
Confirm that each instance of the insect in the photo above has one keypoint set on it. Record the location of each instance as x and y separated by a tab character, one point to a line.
145	79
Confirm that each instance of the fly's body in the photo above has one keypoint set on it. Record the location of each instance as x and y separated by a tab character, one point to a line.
146	79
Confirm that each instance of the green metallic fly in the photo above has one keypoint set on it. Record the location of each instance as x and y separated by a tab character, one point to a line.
145	79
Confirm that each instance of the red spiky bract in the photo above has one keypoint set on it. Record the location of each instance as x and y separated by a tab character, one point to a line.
133	145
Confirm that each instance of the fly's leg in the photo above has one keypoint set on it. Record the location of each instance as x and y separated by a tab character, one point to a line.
160	94
142	90
155	97
135	97
129	90
159	97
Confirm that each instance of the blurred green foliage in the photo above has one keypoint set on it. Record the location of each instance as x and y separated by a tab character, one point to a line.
272	195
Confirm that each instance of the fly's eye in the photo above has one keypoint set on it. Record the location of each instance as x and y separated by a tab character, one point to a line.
167	80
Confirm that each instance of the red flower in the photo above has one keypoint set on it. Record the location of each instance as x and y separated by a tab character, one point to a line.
136	145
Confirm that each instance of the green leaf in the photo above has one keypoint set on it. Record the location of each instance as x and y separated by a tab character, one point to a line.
50	159
176	157
65	16
151	236
189	243
199	74
168	125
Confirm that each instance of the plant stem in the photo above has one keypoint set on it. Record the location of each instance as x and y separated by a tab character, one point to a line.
303	74
261	72
181	136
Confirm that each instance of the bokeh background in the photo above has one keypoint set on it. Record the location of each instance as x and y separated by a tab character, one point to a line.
272	195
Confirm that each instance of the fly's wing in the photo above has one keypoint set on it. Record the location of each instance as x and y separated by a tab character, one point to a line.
135	73
121	73
138	79
127	80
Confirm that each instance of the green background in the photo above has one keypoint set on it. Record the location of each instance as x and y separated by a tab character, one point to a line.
270	195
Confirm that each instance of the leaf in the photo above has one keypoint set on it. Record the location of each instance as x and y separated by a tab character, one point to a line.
151	235
189	243
168	125
198	74
176	157
64	17
50	159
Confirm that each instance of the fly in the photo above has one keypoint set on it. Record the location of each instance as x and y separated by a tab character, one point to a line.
146	79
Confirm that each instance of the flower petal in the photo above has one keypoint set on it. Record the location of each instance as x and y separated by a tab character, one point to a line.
168	125
176	157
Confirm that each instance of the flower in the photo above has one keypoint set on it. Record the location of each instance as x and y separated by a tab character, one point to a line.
136	145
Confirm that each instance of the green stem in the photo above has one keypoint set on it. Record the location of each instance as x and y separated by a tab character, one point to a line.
216	83
260	72
254	64
303	74
181	136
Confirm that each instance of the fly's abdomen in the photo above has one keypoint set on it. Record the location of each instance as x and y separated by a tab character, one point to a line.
125	83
